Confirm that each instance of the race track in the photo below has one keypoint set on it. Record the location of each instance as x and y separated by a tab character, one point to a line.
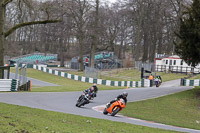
65	102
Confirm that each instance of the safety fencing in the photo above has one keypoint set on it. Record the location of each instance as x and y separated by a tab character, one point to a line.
177	69
187	82
9	84
142	83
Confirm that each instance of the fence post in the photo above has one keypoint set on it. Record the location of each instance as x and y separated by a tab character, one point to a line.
142	83
186	70
181	69
182	82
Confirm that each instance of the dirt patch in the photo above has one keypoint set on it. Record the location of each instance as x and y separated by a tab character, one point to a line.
21	131
11	124
4	116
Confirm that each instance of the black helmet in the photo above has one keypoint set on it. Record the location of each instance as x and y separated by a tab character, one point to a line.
95	87
125	94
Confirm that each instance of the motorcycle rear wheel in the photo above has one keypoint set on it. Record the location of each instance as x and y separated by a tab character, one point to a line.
81	103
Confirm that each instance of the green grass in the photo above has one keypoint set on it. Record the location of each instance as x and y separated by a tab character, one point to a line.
195	77
72	85
18	119
65	84
114	75
181	109
170	76
131	74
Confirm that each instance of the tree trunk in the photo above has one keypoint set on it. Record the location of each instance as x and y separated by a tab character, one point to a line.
95	36
145	47
62	48
92	53
2	38
81	52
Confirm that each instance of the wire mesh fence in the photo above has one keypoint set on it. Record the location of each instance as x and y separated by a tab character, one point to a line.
91	72
21	74
146	66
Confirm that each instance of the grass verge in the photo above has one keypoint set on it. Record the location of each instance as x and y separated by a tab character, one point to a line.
18	119
72	85
170	76
131	75
181	109
195	77
65	84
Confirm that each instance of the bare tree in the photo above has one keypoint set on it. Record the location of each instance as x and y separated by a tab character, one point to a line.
94	35
79	10
4	34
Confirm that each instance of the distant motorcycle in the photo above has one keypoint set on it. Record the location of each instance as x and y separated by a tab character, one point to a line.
157	82
115	107
83	99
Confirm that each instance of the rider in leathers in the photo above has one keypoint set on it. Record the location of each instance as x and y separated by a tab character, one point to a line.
123	96
92	91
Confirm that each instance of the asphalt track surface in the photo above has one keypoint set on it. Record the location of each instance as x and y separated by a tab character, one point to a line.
65	102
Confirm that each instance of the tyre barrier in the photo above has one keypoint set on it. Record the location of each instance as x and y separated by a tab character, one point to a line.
187	82
9	84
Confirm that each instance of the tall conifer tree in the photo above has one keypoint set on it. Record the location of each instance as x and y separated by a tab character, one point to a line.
188	46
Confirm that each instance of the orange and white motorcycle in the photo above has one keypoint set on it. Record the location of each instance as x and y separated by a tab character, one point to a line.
115	107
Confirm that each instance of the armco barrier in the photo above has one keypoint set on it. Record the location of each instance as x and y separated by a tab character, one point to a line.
8	84
187	82
143	83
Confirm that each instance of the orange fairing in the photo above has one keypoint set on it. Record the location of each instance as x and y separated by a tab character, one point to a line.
120	103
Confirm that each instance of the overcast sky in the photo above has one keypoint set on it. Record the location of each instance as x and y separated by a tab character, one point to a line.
112	1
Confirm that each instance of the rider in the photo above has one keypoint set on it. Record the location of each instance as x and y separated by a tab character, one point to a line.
123	96
158	80
92	91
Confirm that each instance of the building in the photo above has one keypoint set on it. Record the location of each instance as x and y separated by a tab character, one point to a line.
174	64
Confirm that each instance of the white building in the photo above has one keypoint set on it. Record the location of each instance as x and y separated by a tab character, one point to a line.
175	64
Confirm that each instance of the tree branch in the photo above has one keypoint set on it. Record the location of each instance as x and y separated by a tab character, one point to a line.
6	2
29	23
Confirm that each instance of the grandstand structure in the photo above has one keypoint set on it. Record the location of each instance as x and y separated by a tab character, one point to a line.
103	60
35	58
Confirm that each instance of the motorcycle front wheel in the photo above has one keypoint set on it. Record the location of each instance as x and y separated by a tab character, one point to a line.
115	111
105	111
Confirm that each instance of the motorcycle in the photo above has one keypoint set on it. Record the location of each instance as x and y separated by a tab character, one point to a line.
83	99
157	83
115	107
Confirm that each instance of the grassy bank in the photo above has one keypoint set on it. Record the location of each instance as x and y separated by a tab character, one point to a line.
170	76
195	77
72	85
131	75
181	109
18	119
65	84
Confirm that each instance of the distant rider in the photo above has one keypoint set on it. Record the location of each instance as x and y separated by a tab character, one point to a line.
158	80
123	96
92	91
